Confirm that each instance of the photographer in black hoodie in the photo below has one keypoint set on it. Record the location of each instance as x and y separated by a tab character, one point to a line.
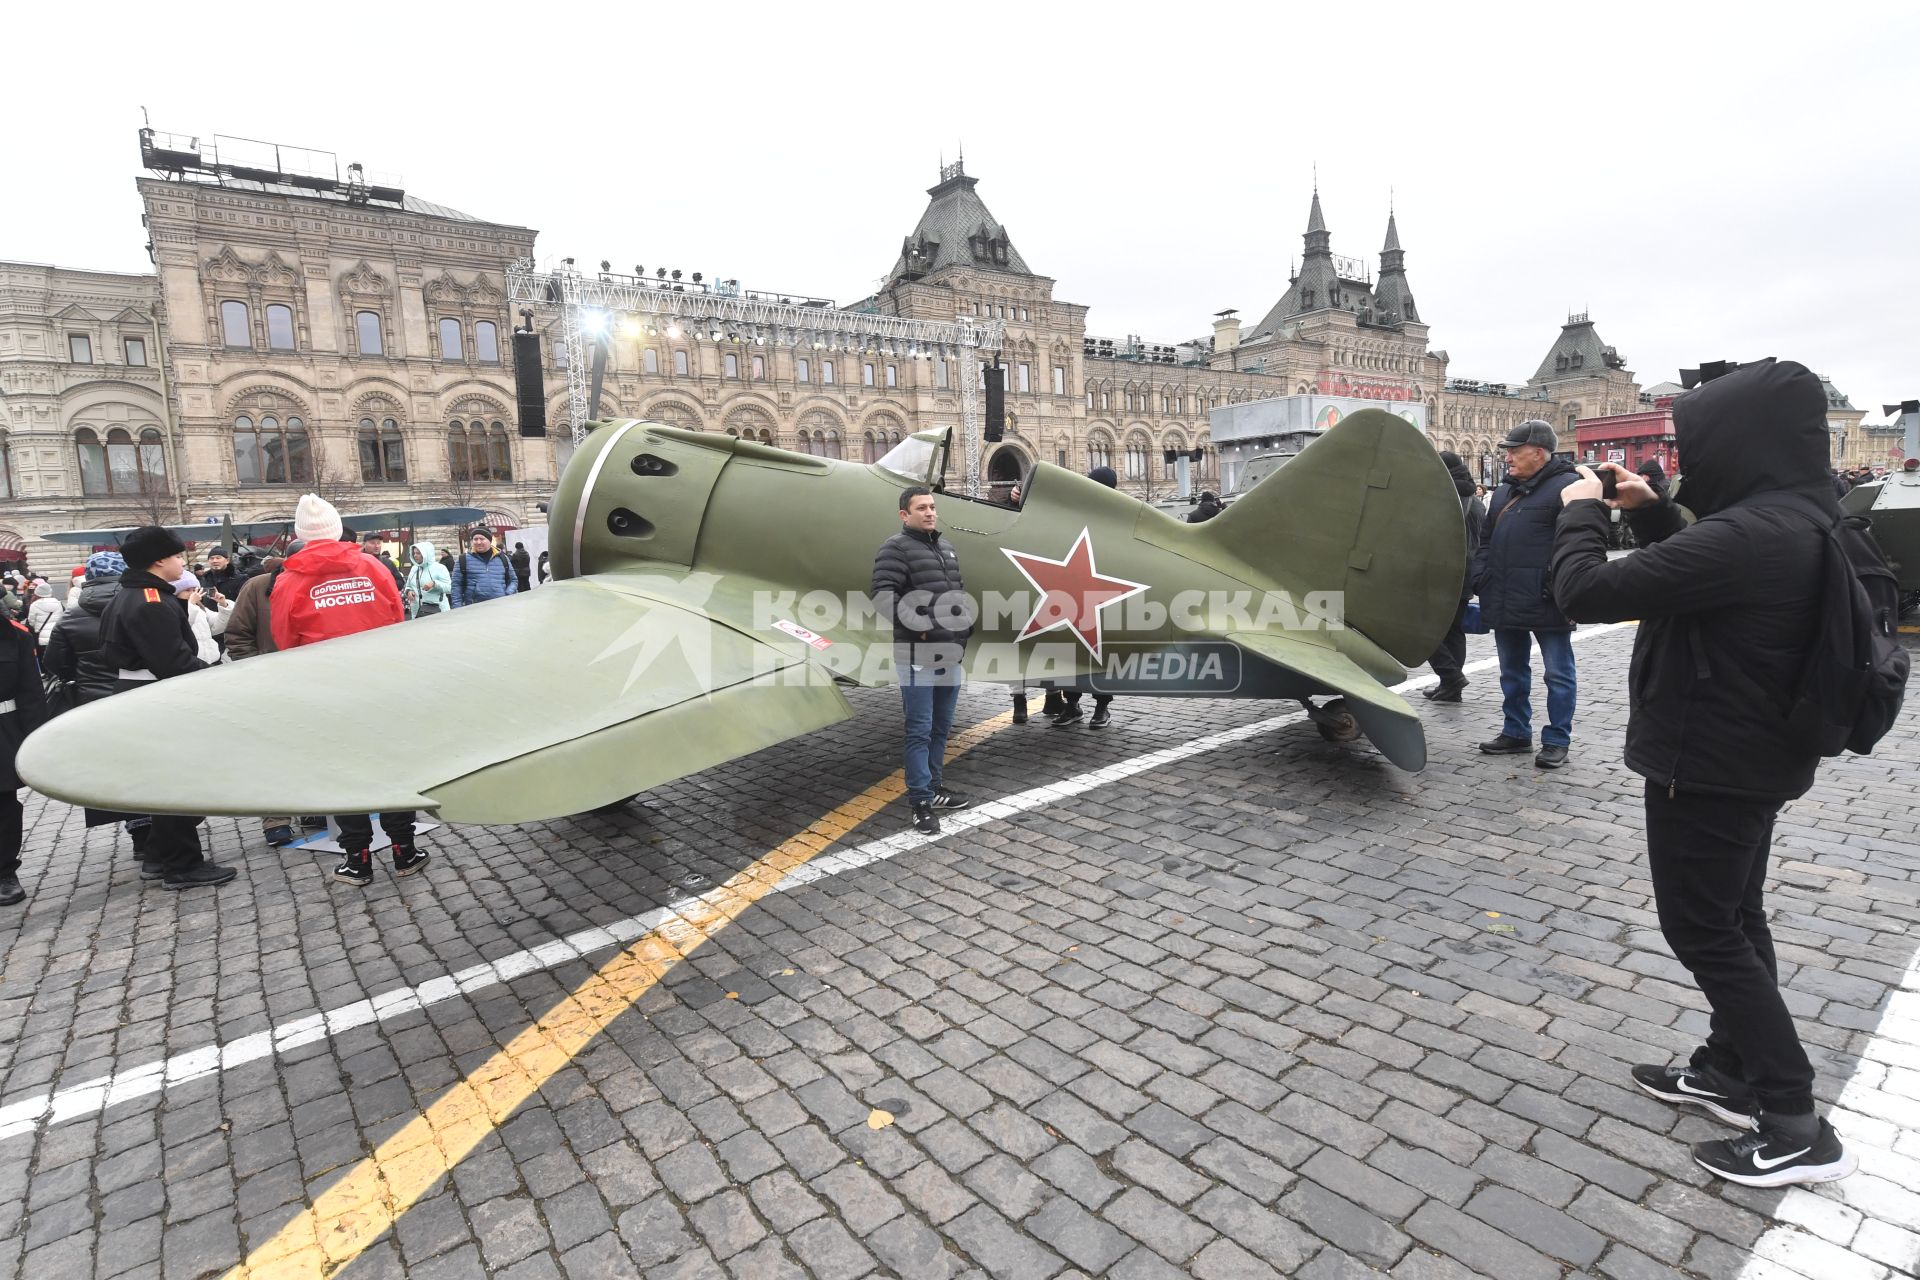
1727	606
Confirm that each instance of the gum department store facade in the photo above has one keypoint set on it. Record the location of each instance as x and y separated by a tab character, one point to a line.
359	344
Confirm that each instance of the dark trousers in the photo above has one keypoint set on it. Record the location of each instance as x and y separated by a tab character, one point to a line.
1708	858
356	829
174	842
13	818
1451	656
1072	698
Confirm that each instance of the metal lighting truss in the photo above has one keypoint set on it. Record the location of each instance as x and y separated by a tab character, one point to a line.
753	319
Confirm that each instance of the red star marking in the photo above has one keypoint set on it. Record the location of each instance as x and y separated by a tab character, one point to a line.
1072	592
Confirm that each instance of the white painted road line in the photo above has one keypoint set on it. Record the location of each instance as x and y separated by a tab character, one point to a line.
98	1094
1866	1226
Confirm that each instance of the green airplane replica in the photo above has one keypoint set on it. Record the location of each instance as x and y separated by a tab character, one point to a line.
697	617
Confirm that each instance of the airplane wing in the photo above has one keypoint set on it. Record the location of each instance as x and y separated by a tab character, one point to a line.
536	706
1389	723
409	518
184	532
353	522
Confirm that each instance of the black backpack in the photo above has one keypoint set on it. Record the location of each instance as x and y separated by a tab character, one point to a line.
1849	693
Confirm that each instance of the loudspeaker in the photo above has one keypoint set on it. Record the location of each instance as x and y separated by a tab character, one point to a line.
996	403
529	383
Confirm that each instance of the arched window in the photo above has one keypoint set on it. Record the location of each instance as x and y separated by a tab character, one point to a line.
1099	452
450	339
650	360
680	362
280	327
6	468
759	366
271	451
235	329
801	370
478	450
1136	458
366	326
383	455
121	464
486	342
874	447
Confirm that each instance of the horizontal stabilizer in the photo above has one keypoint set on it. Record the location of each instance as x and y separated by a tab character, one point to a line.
1389	723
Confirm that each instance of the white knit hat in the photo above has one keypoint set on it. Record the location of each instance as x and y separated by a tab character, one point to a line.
315	519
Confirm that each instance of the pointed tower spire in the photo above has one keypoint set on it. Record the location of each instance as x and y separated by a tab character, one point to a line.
1393	296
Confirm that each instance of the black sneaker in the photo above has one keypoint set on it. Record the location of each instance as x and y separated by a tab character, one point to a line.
1101	717
945	799
1069	716
1770	1158
1444	692
152	869
1550	757
925	821
355	869
407	859
1506	746
200	875
10	891
1728	1100
279	837
1020	708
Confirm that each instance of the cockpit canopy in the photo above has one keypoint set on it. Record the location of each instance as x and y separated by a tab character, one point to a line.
919	459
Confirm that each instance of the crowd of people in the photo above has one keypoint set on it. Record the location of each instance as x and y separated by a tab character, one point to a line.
143	613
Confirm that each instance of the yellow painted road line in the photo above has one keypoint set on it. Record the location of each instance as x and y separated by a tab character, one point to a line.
355	1211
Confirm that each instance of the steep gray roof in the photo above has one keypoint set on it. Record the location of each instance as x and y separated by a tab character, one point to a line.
1836	398
1393	296
411	203
1317	283
957	229
1577	353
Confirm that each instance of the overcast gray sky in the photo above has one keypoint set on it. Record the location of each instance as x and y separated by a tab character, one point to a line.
1710	181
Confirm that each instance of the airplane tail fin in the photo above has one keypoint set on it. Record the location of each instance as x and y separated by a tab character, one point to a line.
1367	508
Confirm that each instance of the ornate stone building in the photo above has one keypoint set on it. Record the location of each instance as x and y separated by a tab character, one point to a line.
84	427
357	344
340	335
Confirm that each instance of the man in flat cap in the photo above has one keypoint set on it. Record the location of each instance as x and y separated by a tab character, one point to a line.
1516	596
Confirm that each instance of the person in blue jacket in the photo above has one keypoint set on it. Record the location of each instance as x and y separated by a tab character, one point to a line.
1510	574
482	573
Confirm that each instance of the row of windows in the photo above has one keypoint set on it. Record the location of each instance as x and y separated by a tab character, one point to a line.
994	311
236	327
121	464
80	350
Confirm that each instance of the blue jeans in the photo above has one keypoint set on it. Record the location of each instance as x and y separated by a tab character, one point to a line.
1516	683
929	706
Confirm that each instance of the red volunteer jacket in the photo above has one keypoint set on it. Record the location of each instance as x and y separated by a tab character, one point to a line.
332	589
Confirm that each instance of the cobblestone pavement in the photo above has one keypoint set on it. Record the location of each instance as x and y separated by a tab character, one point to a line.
1270	1008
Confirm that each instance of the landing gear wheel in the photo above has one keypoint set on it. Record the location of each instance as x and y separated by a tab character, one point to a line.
1335	723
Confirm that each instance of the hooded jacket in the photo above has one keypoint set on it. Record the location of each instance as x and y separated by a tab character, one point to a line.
1516	545
73	651
1726	604
250	629
43	613
331	589
429	581
482	577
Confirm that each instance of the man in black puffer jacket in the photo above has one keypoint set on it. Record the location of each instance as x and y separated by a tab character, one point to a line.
1727	607
916	583
1510	575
